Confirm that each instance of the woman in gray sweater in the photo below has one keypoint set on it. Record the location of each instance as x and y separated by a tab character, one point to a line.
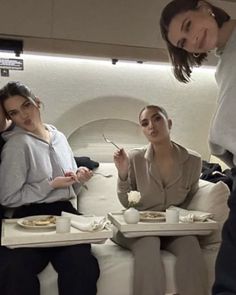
38	175
165	174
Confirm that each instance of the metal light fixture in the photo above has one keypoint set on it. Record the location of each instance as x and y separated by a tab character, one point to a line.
114	61
11	45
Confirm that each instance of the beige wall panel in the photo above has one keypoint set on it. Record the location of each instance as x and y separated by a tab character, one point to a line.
26	17
127	22
123	22
123	29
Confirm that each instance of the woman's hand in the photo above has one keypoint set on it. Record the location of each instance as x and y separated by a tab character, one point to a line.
83	174
62	181
72	175
121	161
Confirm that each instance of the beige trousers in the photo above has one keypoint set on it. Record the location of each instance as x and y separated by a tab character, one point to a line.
149	275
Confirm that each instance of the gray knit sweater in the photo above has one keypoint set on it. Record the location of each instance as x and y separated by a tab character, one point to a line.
222	136
29	163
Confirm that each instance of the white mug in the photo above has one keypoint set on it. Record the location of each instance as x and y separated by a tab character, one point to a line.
63	224
172	216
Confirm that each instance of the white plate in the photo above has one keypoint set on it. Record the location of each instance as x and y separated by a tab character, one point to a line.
36	222
152	216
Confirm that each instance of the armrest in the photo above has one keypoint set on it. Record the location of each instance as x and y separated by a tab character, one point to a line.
212	198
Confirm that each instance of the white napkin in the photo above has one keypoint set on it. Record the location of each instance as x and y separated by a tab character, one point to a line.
88	223
192	215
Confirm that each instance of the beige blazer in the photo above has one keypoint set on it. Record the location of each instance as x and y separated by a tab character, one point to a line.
144	177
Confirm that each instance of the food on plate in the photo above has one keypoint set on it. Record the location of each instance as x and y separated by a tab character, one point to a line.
152	216
40	221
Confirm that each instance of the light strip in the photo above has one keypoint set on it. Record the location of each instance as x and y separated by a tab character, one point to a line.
94	60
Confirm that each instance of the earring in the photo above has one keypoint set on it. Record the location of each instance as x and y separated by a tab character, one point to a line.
196	55
211	13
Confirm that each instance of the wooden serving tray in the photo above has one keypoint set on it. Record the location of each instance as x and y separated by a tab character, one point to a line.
15	236
161	228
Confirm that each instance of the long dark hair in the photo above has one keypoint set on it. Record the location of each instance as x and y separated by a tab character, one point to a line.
184	61
15	88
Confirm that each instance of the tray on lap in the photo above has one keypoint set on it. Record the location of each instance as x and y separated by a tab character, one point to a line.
161	228
15	235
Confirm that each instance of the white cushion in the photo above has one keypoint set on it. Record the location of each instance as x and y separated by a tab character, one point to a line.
101	196
212	197
48	281
116	269
116	265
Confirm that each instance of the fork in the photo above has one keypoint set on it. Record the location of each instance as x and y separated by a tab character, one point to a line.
104	175
109	141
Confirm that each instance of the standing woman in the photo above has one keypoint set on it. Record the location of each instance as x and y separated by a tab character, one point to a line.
165	174
39	176
192	28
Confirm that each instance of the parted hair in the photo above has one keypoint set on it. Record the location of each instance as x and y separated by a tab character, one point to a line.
158	108
183	61
16	88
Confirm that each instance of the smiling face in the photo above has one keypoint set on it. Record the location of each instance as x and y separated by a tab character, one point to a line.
196	31
23	112
155	125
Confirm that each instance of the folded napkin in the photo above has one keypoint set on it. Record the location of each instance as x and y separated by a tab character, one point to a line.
192	215
88	223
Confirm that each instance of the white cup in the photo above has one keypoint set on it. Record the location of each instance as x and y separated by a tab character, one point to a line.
172	216
63	224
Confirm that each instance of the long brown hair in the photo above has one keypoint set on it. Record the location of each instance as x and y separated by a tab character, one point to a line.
14	88
184	61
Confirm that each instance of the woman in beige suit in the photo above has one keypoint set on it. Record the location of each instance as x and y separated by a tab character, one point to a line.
165	174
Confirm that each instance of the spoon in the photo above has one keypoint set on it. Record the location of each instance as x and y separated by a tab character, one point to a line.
109	141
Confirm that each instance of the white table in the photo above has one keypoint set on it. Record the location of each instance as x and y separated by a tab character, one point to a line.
15	236
161	228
